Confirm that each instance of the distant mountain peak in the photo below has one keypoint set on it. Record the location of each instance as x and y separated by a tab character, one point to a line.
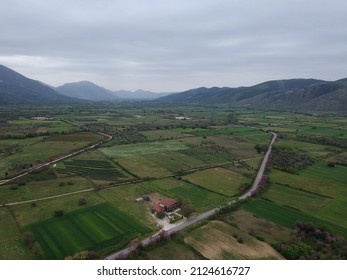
87	90
17	89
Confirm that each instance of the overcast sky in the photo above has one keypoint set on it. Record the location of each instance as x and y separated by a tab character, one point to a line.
174	45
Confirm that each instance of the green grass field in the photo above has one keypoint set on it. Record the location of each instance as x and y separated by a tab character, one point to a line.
39	151
315	183
26	214
174	161
218	180
92	228
40	189
143	148
245	131
11	243
94	169
141	166
304	201
335	211
201	199
124	199
287	217
315	150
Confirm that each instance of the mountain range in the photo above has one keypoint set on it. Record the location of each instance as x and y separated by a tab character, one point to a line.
292	94
301	94
16	89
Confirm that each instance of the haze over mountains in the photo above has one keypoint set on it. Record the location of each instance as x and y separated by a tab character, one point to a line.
90	91
299	94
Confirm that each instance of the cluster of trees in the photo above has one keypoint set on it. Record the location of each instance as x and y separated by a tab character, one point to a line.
262	187
260	148
313	243
325	140
128	135
289	160
31	243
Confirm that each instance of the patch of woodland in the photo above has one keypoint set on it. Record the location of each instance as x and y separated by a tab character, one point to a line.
289	160
309	242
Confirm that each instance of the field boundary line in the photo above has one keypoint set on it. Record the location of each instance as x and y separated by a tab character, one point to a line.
46	198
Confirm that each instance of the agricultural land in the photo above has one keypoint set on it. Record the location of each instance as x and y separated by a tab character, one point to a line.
83	182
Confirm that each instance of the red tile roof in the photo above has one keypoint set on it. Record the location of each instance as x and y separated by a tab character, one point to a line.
158	208
168	202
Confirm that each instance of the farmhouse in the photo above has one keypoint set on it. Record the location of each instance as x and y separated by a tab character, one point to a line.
169	204
166	205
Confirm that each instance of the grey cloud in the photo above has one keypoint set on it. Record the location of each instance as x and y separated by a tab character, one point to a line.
170	45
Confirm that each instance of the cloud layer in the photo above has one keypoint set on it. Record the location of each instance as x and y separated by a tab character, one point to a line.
173	45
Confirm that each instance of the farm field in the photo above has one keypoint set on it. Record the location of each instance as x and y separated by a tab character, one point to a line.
218	180
11	244
26	214
315	150
218	241
93	228
141	166
124	199
271	232
316	184
201	199
43	150
143	148
309	202
101	170
41	189
287	217
157	135
170	250
202	160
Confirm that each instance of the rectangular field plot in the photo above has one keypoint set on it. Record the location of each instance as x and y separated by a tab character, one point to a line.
200	198
246	131
142	166
301	200
209	154
156	135
160	164
143	148
94	169
218	180
40	189
38	151
76	137
312	149
311	181
11	241
93	228
219	241
287	217
336	211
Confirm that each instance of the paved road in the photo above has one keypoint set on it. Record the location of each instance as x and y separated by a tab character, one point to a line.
121	254
261	169
39	166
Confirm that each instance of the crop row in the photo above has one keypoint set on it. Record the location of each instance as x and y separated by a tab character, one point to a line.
94	169
128	137
212	154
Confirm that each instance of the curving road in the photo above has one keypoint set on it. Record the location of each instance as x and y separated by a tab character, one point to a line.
121	254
